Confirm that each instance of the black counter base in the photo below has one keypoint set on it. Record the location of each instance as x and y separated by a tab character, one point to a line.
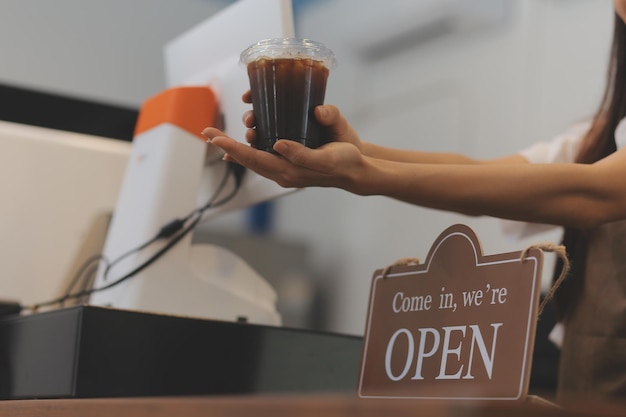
89	352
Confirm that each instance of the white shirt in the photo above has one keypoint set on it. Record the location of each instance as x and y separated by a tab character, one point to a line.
562	149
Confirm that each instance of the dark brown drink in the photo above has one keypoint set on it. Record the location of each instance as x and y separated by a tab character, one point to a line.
287	81
285	93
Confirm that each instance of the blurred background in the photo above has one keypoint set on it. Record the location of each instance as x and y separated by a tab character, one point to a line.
481	77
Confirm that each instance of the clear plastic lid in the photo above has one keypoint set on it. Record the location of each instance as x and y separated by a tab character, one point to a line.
289	48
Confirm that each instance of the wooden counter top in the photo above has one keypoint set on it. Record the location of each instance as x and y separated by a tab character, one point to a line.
283	406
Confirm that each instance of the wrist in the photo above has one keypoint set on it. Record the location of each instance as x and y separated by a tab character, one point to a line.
366	148
364	180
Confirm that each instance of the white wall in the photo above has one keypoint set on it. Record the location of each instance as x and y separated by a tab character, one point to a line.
108	50
485	93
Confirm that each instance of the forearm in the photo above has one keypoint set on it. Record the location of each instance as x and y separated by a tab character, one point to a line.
402	155
562	194
420	157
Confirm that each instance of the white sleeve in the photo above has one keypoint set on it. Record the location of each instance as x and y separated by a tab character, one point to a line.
620	134
562	149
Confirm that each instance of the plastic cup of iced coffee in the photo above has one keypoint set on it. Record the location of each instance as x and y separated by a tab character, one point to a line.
288	79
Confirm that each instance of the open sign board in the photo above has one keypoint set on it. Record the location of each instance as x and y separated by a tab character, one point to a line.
459	326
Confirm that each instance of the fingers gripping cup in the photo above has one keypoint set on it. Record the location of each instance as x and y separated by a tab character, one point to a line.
287	81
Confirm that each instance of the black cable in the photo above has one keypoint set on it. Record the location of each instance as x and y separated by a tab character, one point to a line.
83	269
129	275
229	170
167	231
127	254
171	228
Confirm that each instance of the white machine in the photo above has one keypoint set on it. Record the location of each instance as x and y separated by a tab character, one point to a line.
58	189
172	171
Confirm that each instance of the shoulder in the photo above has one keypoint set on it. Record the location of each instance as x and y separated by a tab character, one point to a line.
562	148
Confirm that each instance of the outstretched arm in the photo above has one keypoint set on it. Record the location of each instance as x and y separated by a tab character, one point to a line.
574	195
